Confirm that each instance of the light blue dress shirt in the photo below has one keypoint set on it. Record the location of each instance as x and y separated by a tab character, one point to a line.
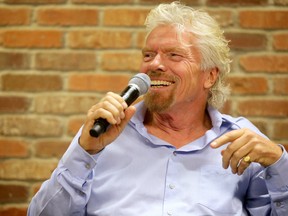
141	175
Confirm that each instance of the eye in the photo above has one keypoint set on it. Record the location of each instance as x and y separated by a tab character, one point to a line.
175	56
148	56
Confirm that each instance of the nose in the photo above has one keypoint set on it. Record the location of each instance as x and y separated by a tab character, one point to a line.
157	63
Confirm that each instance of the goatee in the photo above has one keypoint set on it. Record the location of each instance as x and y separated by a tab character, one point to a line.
158	103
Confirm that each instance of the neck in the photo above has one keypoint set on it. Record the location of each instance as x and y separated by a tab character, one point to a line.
179	126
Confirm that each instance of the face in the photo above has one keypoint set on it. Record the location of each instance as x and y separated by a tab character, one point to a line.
174	69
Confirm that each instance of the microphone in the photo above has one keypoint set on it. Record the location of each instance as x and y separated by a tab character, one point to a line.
138	85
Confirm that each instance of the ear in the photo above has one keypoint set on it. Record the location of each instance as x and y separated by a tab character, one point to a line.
211	78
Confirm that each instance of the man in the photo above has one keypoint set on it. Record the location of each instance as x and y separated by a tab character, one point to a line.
169	154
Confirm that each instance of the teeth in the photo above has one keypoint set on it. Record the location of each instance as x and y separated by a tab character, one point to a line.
156	83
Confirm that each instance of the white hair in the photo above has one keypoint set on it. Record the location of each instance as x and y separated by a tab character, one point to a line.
210	41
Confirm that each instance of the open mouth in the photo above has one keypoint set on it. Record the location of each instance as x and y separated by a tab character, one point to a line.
160	83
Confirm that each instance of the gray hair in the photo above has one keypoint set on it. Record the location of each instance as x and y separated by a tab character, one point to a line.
211	42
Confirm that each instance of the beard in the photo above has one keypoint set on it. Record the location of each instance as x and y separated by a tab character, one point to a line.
158	103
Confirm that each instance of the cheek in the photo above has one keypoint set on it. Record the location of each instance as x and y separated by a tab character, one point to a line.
192	79
191	75
144	67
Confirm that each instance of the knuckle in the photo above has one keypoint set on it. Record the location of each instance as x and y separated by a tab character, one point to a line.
105	104
229	149
237	155
248	133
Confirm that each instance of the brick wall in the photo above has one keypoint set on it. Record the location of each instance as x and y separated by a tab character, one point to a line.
58	57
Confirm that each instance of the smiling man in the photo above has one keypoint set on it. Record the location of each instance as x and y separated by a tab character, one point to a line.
169	154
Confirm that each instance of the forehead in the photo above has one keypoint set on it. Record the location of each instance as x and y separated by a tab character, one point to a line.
167	34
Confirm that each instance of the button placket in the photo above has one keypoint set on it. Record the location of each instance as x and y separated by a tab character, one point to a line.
169	213
171	193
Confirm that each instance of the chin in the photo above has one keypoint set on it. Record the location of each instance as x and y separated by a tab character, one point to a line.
155	103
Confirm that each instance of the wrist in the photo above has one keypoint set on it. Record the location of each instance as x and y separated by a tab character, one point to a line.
88	148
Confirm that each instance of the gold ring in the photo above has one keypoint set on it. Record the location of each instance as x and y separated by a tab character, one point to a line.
247	159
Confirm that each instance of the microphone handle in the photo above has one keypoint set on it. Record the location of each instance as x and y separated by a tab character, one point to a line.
130	94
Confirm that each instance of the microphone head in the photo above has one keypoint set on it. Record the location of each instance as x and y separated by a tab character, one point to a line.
142	81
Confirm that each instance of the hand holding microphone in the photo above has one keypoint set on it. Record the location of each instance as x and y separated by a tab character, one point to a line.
111	110
138	85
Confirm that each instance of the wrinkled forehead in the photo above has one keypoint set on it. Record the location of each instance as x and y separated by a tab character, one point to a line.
167	39
176	33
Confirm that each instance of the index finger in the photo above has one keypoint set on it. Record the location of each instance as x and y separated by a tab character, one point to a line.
226	138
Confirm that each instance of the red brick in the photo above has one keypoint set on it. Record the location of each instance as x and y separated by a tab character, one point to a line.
280	85
236	2
13	211
246	41
13	193
124	17
227	107
74	125
248	85
51	148
13	148
31	82
27	169
140	39
261	125
35	188
268	108
265	63
98	82
280	41
66	61
223	17
67	17
14	104
1	36
103	1
121	61
13	16
276	19
37	2
33	39
188	2
280	130
280	2
14	60
100	39
17	125
64	104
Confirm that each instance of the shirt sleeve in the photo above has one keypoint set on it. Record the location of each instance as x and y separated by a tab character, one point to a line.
68	189
276	179
273	201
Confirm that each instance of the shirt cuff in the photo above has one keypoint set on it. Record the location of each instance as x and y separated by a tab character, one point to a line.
276	175
78	162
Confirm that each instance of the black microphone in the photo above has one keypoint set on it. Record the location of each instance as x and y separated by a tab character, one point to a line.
138	85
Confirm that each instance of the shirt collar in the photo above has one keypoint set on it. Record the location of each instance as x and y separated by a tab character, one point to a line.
216	117
220	124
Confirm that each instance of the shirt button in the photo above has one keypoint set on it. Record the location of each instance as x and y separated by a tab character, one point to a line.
278	204
169	213
171	186
268	177
87	166
175	153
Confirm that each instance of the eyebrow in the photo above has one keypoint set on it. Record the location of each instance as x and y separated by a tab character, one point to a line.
145	49
168	49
